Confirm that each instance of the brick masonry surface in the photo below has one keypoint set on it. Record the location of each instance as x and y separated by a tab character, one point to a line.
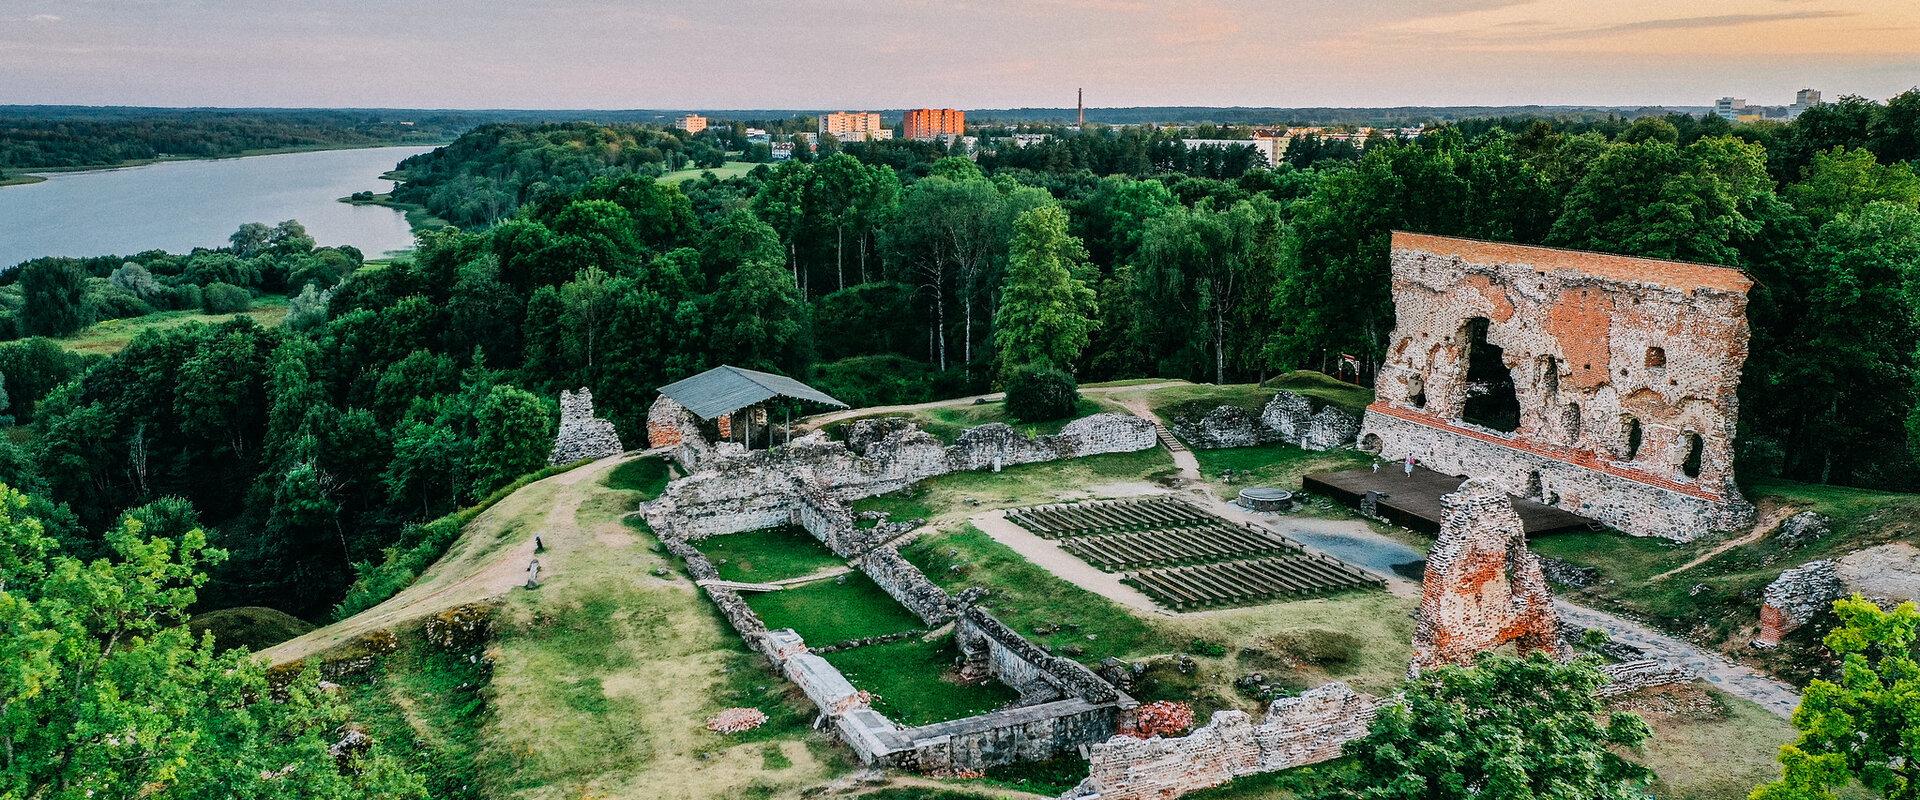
1621	367
1483	587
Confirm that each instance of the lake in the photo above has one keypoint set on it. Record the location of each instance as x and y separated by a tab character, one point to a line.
179	205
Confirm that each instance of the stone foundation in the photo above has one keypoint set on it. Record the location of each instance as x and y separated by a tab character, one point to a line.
1639	504
1297	731
1887	574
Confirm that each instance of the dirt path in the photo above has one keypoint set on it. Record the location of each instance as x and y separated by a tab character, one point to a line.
816	421
1773	695
1765	525
1183	458
489	558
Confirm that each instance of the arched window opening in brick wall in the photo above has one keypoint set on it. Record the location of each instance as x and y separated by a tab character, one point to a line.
1492	401
1696	449
1656	357
1630	438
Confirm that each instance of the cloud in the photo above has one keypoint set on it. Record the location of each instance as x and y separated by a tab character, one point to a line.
44	19
1688	23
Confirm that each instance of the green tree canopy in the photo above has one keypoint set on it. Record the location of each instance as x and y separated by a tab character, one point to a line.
1503	729
1865	725
1046	313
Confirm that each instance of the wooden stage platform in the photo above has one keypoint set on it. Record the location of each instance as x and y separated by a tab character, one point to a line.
1414	502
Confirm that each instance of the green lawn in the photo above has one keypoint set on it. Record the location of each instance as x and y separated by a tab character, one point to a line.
648	476
1026	596
112	336
947	423
912	681
1714	602
1321	386
732	169
768	555
1167	402
959	494
19	180
834	610
428	705
1271	465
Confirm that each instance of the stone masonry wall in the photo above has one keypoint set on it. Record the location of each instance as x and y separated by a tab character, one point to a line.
1635	506
1483	587
1287	418
1604	351
1021	661
582	435
1297	731
736	490
906	584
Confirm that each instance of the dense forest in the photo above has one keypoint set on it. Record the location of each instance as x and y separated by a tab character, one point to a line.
892	272
33	137
324	456
485	175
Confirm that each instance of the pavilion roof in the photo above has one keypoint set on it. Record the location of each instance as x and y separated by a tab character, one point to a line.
726	389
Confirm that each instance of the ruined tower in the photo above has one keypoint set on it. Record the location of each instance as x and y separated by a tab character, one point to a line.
1601	384
1483	587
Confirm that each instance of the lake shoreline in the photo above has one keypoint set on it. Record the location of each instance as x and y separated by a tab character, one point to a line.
179	205
40	173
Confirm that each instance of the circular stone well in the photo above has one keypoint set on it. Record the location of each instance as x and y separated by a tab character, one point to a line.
1266	498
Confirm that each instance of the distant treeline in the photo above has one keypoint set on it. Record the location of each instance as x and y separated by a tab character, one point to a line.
65	137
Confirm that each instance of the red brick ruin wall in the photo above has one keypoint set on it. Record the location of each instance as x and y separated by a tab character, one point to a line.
1483	587
1597	346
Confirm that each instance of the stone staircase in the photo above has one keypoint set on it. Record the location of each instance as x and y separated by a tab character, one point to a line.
1171	442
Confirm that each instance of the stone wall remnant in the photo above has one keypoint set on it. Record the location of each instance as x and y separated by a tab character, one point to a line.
1624	372
1297	731
1286	418
732	490
1483	587
1886	574
582	435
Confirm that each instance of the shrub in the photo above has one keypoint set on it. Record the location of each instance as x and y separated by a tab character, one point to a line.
862	381
1040	393
225	298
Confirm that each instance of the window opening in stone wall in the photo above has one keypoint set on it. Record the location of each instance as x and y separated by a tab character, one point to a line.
1632	436
1550	376
1696	447
1656	357
1573	423
1417	391
1534	488
1491	399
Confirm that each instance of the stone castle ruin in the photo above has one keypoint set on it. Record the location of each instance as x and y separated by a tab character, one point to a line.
582	435
1483	587
1603	385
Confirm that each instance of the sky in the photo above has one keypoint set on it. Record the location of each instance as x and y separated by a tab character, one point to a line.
718	54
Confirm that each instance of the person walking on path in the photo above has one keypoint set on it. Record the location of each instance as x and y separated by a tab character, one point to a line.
1410	462
533	574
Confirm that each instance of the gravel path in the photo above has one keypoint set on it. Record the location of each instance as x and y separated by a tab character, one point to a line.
1772	694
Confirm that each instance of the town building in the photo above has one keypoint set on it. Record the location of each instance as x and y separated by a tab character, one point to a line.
1270	149
854	126
691	123
932	123
1803	100
1601	385
1729	108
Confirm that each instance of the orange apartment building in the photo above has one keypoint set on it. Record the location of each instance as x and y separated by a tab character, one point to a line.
933	123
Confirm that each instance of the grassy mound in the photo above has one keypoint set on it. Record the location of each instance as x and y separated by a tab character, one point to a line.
251	627
1321	386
